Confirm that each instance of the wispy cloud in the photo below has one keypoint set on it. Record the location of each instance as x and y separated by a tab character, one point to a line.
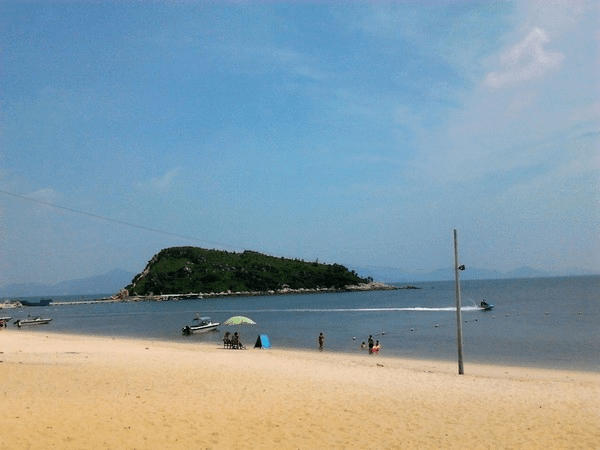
162	183
47	195
534	98
525	61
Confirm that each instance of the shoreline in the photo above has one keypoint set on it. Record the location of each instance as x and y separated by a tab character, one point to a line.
123	296
409	360
371	286
29	340
77	391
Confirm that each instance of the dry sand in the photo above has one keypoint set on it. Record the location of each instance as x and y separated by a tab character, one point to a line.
65	391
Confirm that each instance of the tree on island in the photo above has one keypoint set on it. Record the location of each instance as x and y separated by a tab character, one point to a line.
179	270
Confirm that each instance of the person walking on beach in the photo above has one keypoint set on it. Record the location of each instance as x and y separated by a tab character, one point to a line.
321	341
370	345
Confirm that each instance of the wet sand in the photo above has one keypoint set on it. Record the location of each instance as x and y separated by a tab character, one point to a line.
68	391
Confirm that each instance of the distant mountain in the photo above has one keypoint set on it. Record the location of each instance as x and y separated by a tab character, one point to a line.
113	281
108	283
390	275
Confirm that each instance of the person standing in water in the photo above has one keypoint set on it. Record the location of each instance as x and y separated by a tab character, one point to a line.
376	348
370	341
321	341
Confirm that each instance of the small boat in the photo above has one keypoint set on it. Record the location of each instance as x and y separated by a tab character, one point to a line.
201	325
32	321
4	320
10	304
485	305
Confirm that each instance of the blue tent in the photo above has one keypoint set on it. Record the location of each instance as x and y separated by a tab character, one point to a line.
262	341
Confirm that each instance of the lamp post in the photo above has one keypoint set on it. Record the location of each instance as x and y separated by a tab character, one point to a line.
459	340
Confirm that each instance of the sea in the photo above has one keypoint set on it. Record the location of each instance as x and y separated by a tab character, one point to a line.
540	322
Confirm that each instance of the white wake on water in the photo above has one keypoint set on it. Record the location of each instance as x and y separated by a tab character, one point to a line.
415	308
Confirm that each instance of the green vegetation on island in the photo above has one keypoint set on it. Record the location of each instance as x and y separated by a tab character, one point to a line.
179	270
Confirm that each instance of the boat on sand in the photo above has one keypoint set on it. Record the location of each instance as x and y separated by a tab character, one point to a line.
33	321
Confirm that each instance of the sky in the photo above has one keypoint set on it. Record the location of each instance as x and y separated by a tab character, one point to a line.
358	133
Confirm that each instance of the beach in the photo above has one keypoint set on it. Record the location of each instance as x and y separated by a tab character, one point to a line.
72	391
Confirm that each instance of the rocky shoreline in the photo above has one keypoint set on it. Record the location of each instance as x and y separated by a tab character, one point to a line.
371	286
125	296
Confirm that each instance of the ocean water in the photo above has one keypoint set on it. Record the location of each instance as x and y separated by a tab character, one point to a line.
542	322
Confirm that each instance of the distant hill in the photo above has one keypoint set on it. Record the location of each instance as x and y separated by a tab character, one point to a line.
390	275
108	283
181	270
113	281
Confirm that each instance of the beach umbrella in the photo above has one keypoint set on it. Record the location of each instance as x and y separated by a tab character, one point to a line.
239	320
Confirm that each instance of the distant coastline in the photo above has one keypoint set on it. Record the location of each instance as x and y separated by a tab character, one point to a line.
111	282
124	296
371	286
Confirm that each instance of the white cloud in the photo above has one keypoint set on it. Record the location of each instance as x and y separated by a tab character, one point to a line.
519	120
558	17
527	60
162	183
46	195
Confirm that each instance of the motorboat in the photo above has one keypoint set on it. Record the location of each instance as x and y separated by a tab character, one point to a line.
201	325
485	305
10	304
33	321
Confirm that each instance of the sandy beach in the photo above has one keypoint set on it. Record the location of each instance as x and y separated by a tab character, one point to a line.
67	391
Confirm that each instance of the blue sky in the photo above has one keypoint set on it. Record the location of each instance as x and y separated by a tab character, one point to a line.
360	133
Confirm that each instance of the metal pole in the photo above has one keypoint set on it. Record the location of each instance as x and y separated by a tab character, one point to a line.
459	340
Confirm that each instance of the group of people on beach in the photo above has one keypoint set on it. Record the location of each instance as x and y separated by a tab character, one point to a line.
232	340
373	346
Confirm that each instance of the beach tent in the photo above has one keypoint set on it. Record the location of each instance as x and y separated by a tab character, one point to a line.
262	341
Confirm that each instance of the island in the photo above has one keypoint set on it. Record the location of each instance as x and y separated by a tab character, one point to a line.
193	272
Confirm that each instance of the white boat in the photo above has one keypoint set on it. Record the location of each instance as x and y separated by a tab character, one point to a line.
32	321
201	325
10	304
